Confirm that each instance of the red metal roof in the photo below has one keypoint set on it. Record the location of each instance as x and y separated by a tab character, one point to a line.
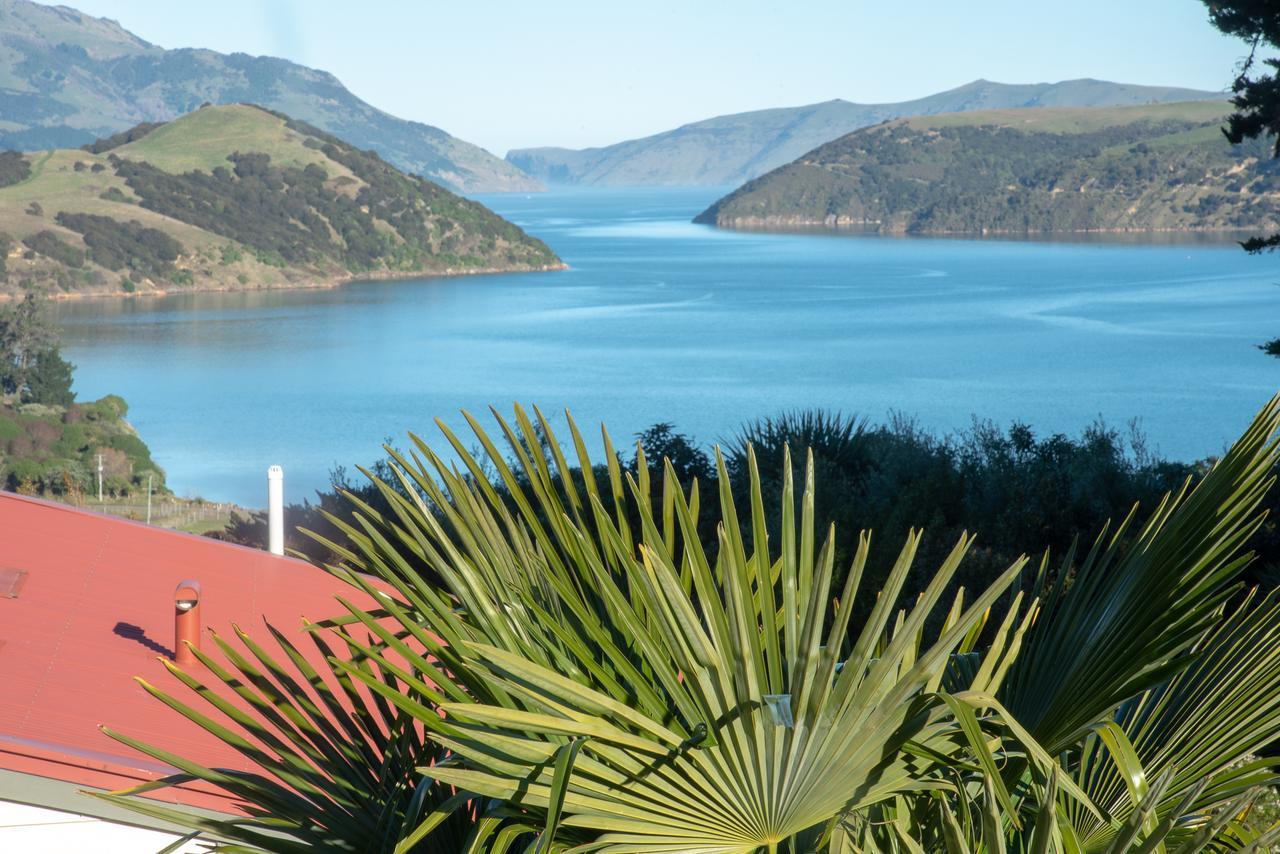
95	609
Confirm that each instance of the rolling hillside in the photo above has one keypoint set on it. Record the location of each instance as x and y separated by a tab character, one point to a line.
1154	168
735	148
67	78
234	197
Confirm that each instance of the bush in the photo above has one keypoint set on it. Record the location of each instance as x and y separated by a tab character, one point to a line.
133	448
101	146
108	408
9	430
55	248
116	245
14	168
74	441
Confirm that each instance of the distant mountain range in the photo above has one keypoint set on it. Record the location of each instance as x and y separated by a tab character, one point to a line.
1153	168
236	197
736	148
67	78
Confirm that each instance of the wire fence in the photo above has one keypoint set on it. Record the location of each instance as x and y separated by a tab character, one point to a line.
166	512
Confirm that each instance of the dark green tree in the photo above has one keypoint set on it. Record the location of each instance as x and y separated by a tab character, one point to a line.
661	441
49	379
1256	90
25	332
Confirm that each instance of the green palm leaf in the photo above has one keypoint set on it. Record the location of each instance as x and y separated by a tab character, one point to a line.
1136	606
715	709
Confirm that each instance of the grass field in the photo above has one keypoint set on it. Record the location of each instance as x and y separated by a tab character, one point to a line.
201	140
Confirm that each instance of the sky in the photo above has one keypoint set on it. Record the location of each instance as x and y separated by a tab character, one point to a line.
507	74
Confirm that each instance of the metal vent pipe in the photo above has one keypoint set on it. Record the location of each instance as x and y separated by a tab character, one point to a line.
275	510
186	622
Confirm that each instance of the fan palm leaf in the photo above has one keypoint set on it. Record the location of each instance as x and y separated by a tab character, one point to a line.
337	766
1135	606
718	704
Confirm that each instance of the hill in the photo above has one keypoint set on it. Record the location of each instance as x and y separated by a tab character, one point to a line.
67	78
234	197
1157	168
735	148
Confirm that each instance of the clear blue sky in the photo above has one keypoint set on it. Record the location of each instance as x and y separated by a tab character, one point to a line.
509	74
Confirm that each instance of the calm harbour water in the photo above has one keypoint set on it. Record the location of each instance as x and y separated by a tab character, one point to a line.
663	320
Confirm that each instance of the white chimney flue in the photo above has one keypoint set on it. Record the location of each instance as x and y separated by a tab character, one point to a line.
275	510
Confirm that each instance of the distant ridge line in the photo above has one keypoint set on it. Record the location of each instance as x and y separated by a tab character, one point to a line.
736	147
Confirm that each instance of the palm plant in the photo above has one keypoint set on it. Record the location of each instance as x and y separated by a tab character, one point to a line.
338	766
600	679
706	701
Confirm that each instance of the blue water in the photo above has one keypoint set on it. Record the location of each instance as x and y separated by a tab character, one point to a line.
662	320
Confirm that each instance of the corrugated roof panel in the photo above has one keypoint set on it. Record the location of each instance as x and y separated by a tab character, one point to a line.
97	612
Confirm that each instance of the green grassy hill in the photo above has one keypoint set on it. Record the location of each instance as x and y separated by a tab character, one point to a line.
232	197
736	148
67	78
1147	168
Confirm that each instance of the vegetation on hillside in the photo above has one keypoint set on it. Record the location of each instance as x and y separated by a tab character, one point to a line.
291	216
53	450
49	444
116	245
54	248
124	137
13	168
233	197
567	666
1149	168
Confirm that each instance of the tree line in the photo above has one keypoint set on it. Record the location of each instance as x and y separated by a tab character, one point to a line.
1016	488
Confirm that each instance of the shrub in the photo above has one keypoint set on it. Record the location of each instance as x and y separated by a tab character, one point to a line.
101	146
14	168
43	434
74	441
116	245
55	248
134	449
9	429
108	408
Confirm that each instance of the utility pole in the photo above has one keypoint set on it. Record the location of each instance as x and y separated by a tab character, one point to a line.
99	478
149	499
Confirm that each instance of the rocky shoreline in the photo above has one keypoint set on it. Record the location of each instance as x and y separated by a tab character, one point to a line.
299	285
833	222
